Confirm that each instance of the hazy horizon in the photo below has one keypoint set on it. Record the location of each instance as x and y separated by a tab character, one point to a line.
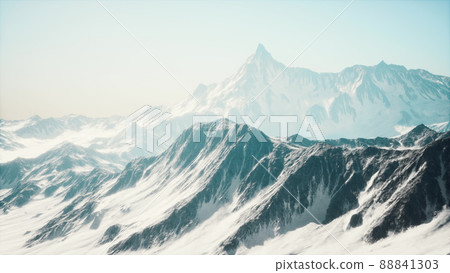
71	57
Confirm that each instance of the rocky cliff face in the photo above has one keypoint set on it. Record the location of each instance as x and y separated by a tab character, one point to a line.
237	194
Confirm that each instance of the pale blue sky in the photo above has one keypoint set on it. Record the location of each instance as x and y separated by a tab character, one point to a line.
63	57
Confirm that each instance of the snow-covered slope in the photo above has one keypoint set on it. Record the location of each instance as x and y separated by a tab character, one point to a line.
360	101
440	127
379	183
217	196
34	136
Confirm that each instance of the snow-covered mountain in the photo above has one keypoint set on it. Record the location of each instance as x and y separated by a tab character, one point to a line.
217	196
359	101
34	136
379	183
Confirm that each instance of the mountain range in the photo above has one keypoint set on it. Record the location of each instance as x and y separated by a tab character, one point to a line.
222	197
378	184
360	101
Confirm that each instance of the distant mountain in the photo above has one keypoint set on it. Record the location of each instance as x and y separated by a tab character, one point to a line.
440	127
379	183
34	136
359	101
217	196
419	136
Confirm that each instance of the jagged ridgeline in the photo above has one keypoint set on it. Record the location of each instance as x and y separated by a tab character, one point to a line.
359	101
217	196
